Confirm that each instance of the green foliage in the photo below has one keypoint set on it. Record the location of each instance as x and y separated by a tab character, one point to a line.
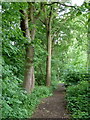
54	84
78	100
68	52
16	103
34	99
40	62
73	77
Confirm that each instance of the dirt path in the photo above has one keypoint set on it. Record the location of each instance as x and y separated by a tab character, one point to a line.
53	106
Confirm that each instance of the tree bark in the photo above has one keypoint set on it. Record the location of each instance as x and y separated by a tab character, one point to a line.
29	78
49	48
88	52
29	33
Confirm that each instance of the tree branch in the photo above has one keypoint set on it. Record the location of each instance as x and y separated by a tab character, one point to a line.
41	7
60	4
42	21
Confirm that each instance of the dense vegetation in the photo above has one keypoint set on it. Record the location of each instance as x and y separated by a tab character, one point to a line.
78	100
43	44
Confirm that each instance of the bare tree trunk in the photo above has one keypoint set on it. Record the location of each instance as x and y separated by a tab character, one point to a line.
49	49
88	52
29	33
29	78
48	64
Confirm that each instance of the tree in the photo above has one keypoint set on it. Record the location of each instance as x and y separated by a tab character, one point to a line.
48	15
88	51
48	20
28	17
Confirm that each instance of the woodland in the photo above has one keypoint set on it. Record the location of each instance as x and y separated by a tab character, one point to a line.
45	44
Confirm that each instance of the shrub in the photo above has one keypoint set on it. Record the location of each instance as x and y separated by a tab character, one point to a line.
78	100
54	84
72	77
16	103
19	104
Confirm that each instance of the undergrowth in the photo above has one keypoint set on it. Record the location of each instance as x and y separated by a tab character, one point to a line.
73	78
16	102
78	100
19	104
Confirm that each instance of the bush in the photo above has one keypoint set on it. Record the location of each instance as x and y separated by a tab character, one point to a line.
54	84
78	100
19	104
73	78
16	103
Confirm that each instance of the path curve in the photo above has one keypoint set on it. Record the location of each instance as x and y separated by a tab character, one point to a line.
53	106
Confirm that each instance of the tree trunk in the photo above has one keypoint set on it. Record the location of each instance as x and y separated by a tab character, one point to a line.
49	49
29	78
88	52
29	70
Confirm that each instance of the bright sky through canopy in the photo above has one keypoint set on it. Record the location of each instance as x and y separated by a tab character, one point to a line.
77	2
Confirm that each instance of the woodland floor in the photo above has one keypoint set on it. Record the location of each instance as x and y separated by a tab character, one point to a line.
53	106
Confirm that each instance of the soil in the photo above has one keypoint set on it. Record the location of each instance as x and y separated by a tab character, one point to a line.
53	106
